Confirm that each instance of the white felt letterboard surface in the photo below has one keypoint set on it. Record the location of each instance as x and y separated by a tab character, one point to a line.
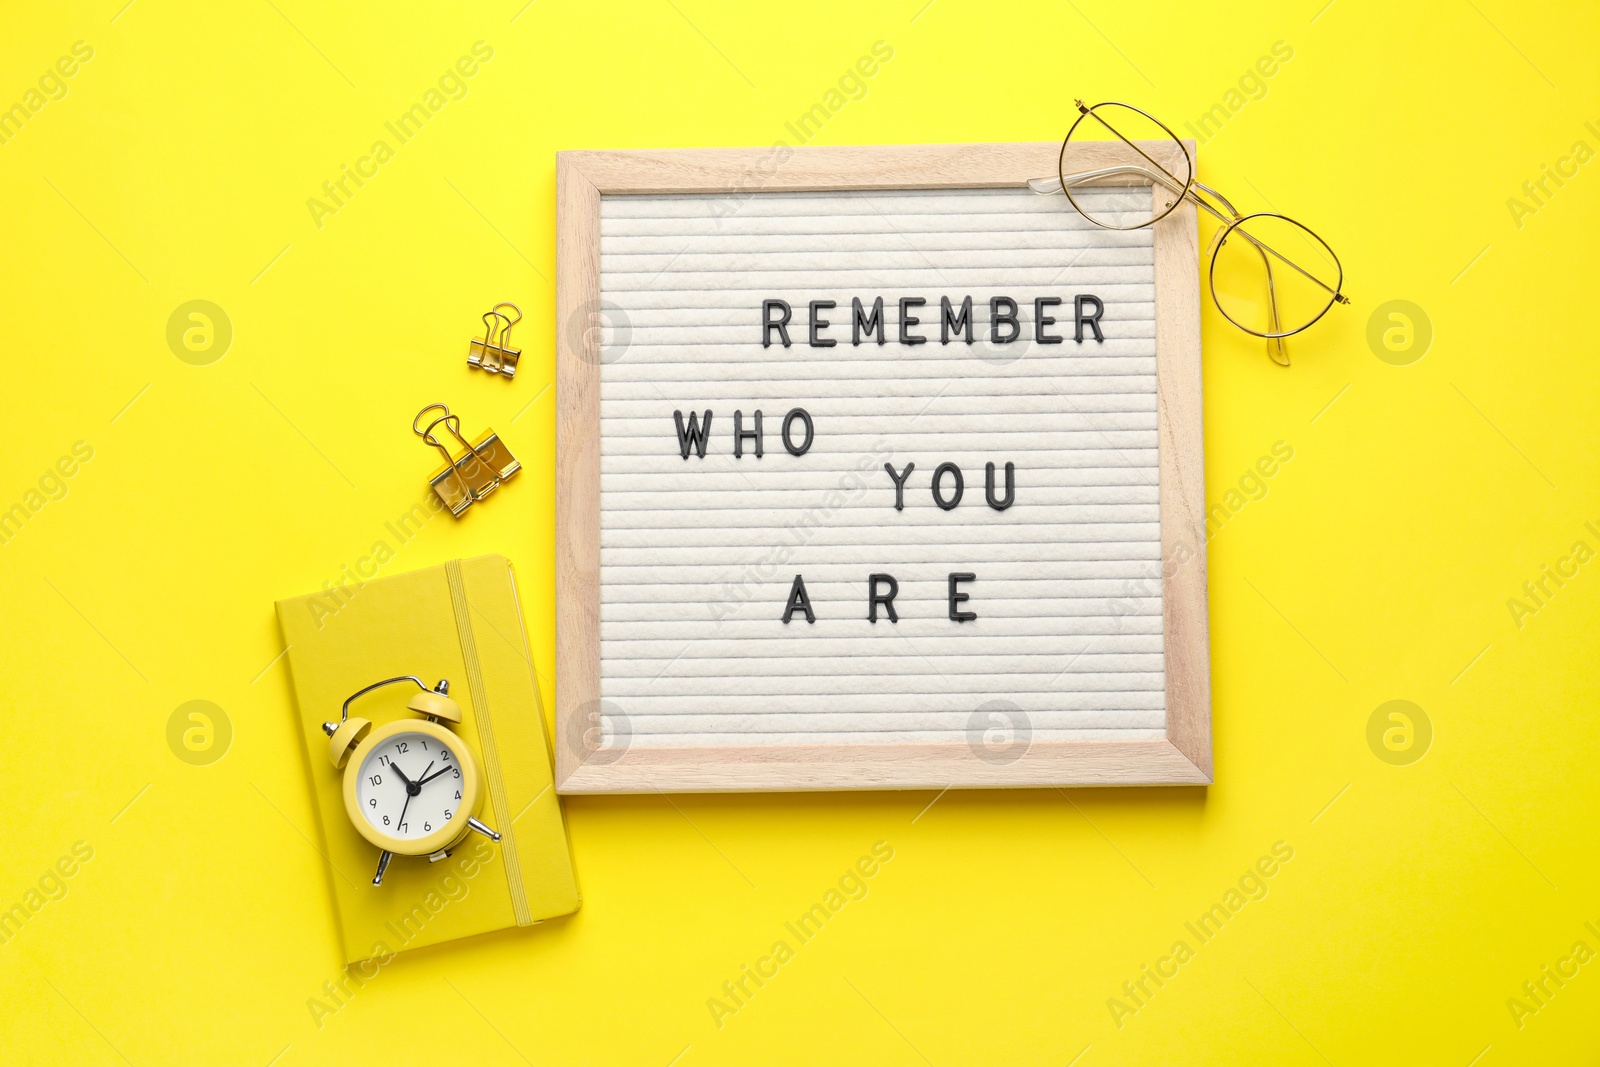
691	679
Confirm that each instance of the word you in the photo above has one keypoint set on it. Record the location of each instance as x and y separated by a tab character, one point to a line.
852	886
52	885
52	487
52	86
1004	325
1252	885
1537	592
1252	86
1538	991
452	86
1566	167
453	889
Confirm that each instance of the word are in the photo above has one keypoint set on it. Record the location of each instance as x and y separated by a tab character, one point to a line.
1004	324
452	85
52	487
852	886
1252	885
1550	981
52	86
881	591
52	885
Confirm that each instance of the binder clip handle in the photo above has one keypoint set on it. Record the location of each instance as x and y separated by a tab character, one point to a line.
486	479
494	352
478	470
503	321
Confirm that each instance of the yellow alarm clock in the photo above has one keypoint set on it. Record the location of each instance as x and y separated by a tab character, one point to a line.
410	786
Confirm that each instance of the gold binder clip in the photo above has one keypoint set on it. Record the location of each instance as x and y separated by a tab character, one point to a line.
478	471
493	352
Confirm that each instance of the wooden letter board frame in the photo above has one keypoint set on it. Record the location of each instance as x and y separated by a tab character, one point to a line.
1184	757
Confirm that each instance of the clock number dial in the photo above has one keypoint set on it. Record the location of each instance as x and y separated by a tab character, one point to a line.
421	797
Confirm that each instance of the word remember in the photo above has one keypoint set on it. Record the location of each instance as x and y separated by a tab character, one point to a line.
1004	325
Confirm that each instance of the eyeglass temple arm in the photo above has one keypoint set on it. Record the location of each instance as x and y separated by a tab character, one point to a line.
1050	185
1277	348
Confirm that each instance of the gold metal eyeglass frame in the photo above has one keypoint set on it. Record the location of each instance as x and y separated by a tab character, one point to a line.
1223	211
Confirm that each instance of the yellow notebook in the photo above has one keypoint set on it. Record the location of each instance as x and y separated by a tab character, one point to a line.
462	622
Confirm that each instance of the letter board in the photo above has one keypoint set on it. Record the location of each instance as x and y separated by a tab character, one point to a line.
874	470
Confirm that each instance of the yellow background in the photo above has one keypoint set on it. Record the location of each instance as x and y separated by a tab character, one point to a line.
1378	567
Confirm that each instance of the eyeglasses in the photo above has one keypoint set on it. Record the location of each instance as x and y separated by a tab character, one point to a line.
1253	280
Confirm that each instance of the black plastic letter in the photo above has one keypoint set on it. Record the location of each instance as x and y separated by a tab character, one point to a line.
788	442
907	321
1092	321
861	322
874	598
818	324
900	483
956	597
1003	311
694	434
799	601
952	322
1041	320
768	323
1011	486
938	473
740	433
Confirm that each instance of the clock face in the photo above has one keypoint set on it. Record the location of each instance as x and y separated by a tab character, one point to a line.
410	786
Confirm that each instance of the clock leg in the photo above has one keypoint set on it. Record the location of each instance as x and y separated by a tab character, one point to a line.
383	865
482	829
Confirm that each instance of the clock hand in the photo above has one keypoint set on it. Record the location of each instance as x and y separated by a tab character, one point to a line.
412	789
396	768
431	777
